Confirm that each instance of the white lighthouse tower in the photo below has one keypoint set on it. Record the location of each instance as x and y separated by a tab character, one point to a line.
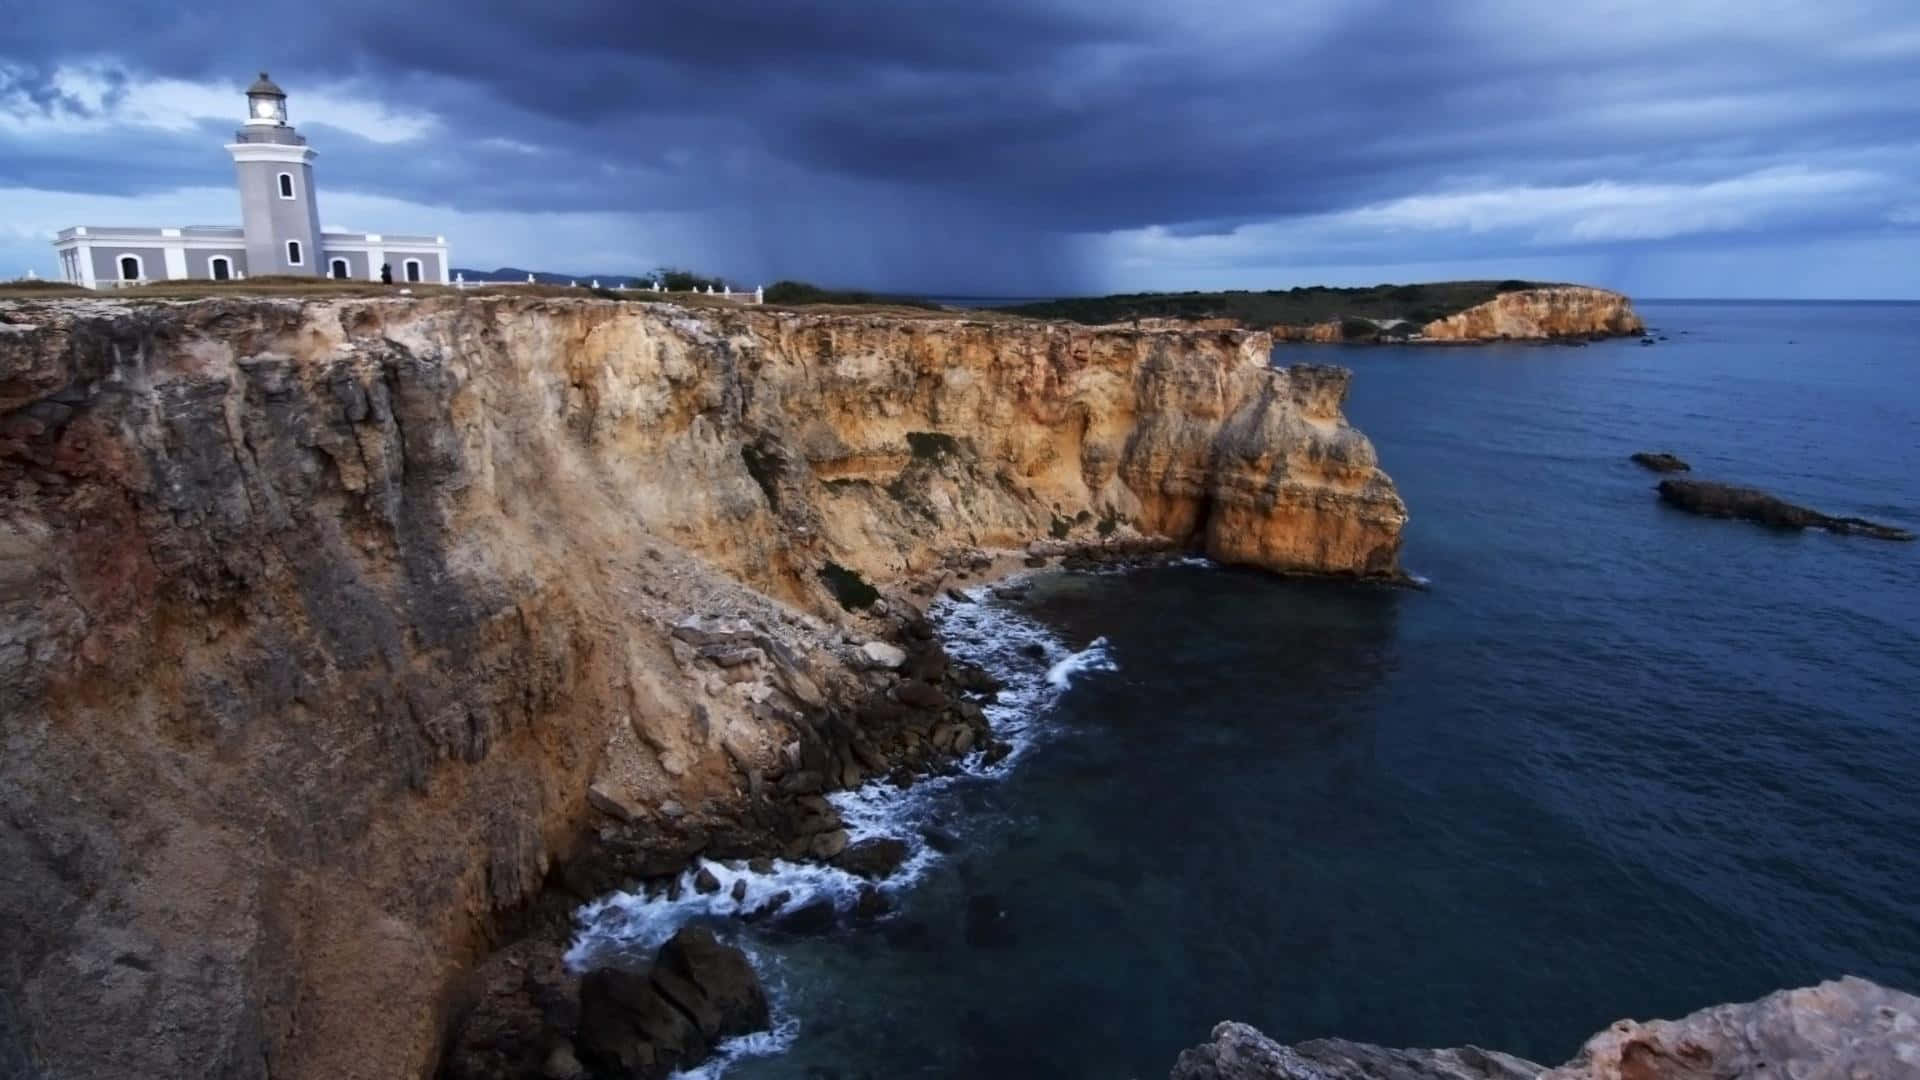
278	212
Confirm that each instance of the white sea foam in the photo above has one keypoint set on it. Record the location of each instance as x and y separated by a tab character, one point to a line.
1092	658
1034	667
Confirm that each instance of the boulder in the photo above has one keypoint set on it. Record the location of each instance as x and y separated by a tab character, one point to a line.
523	1005
879	654
920	695
628	1029
705	883
698	992
1660	462
873	859
722	976
826	845
612	803
812	917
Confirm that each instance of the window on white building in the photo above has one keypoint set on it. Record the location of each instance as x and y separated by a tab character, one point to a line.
286	185
293	253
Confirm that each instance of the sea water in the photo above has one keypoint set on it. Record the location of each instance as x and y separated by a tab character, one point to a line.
1614	761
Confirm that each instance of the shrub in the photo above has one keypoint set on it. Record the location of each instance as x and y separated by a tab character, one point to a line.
800	292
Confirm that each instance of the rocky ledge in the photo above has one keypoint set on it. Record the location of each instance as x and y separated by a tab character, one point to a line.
1848	1029
345	642
1727	501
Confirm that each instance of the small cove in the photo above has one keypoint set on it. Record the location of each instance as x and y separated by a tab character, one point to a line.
1616	761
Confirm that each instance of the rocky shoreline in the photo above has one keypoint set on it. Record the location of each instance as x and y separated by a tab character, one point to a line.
918	714
1846	1029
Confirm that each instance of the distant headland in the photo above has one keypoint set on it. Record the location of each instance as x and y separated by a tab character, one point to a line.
1445	311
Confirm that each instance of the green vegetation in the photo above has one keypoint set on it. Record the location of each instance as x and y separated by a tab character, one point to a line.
39	287
848	587
799	292
1281	307
677	280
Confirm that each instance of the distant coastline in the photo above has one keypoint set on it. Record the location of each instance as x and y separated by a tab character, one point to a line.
1447	311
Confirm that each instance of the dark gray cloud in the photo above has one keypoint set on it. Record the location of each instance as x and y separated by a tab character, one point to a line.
945	145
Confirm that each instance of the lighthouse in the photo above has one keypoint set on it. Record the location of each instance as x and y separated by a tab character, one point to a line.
278	211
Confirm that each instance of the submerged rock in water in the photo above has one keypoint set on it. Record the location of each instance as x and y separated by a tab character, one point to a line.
1841	1030
1750	504
874	858
1661	462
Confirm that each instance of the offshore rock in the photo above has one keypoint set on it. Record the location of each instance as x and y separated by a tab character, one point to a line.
1726	501
1660	462
332	632
1555	311
1848	1029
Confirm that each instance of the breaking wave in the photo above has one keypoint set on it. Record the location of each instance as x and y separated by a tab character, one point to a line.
1034	668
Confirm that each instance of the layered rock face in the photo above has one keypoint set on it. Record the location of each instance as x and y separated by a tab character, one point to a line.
1847	1029
1538	314
320	622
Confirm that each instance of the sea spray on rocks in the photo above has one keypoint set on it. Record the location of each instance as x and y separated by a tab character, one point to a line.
1034	668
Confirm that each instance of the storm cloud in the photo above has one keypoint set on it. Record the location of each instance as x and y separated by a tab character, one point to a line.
1019	147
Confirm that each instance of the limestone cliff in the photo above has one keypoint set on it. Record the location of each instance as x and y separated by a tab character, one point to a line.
1848	1029
321	622
1556	311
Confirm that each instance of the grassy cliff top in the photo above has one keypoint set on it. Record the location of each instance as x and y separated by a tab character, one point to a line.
1282	307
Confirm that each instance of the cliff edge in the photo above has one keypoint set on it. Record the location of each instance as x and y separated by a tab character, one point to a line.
331	631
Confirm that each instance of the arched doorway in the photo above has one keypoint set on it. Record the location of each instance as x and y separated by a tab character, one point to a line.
220	268
413	269
338	269
131	268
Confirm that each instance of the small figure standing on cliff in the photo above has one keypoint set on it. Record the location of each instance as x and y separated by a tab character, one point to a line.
386	273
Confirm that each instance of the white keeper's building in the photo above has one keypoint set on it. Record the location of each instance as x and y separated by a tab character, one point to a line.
279	231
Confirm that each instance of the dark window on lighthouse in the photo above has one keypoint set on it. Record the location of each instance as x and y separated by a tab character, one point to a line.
293	253
286	185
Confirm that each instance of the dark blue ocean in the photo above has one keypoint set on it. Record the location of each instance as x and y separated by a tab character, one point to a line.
1615	761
